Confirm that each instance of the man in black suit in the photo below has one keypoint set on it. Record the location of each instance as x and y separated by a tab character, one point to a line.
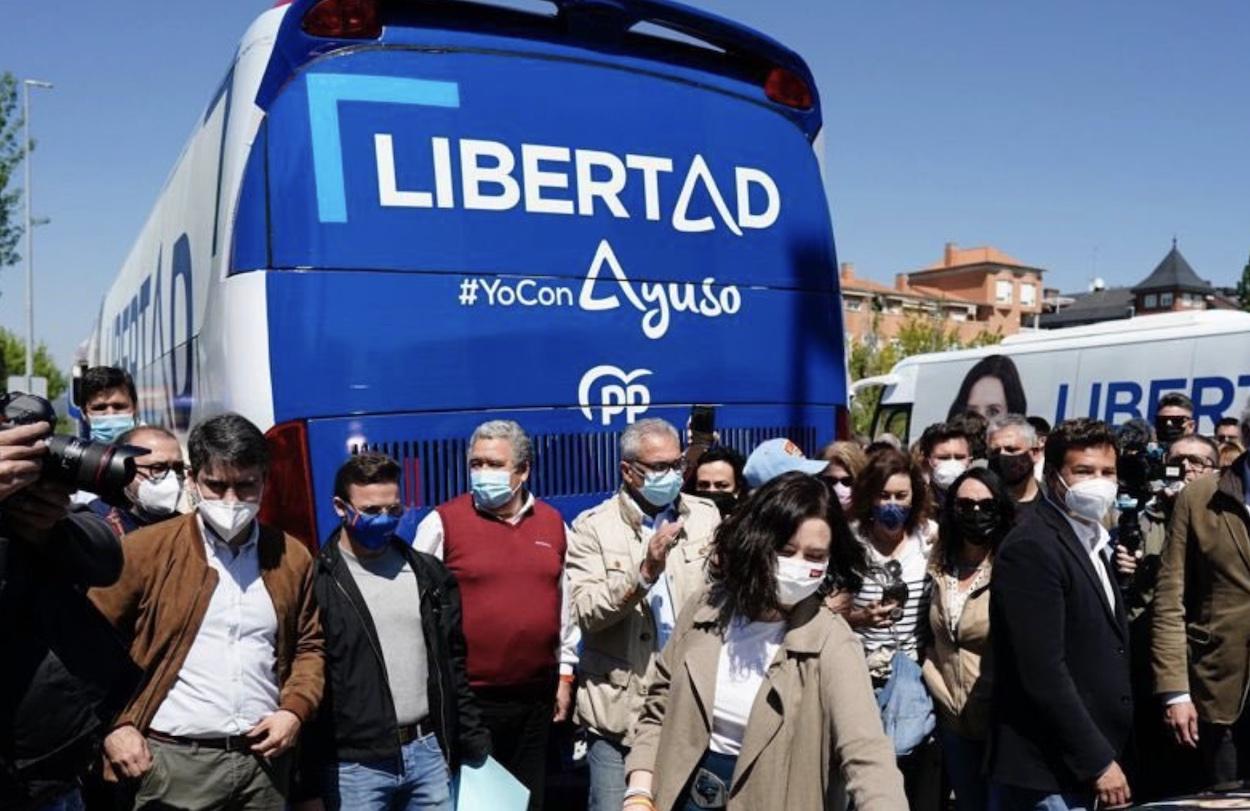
1062	702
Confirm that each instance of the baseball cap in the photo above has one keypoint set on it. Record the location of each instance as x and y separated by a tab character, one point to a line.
777	456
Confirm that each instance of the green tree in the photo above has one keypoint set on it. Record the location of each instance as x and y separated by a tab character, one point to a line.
11	155
13	357
917	335
1243	288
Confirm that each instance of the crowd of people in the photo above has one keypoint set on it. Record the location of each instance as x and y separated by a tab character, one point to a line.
1005	615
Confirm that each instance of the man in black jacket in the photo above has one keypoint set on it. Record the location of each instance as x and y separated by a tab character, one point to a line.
398	716
1062	702
65	672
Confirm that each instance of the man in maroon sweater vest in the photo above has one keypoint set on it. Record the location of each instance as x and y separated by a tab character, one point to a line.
506	549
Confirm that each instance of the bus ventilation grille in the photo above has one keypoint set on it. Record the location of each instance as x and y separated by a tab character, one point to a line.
582	464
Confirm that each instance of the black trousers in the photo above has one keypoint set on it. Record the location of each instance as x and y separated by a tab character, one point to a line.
519	720
1225	752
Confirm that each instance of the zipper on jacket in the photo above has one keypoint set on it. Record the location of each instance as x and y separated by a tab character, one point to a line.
436	598
376	652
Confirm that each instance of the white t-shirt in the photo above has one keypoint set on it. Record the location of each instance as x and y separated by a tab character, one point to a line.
744	658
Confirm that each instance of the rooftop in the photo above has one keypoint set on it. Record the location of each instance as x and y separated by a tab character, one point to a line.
1108	304
1173	273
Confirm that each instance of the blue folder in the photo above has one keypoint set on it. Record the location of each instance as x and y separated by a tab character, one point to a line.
490	787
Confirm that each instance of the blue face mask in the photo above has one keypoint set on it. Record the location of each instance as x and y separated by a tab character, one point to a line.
661	489
108	427
891	515
491	488
370	531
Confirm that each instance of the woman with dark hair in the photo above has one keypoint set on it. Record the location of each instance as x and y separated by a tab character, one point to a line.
718	476
957	668
774	697
991	388
890	504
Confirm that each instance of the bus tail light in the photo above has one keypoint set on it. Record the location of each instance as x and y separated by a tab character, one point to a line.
344	19
785	87
842	423
288	500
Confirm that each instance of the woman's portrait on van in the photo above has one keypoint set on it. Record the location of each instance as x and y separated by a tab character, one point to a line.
992	389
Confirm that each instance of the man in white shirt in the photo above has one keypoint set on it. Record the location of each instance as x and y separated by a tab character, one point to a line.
219	611
507	550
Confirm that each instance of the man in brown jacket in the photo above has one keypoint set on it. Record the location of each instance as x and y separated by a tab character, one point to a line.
1201	623
219	614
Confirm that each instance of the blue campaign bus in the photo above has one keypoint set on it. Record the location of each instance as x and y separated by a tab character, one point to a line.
396	220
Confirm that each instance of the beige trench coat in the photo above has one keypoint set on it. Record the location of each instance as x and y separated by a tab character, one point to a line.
814	718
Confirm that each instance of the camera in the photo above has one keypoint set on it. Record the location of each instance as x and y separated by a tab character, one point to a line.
82	464
1142	472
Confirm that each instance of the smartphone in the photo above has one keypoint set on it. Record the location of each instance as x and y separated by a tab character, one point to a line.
703	419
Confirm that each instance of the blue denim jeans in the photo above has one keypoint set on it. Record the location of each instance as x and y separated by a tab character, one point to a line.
417	780
964	758
1013	798
606	759
70	801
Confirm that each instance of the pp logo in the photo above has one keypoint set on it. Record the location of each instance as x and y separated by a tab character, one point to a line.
617	393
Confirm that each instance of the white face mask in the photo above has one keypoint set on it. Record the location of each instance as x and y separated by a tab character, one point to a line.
797	580
228	518
1090	499
844	495
159	498
946	471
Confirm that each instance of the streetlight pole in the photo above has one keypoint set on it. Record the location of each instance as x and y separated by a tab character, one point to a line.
27	84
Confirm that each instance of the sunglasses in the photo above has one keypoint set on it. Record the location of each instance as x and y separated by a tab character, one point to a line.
968	505
845	481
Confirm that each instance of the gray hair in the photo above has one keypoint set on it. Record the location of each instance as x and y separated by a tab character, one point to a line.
631	437
522	448
1017	421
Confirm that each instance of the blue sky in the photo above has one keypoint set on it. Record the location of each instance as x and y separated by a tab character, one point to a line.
1076	136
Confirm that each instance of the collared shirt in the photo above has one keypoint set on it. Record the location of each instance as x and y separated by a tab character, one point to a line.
659	593
229	680
429	539
1094	539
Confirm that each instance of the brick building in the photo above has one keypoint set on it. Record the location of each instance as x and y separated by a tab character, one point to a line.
973	290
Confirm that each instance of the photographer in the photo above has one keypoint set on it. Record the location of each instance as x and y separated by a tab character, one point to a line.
65	672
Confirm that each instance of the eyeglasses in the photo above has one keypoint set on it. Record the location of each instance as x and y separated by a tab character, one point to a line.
159	470
1192	461
967	505
677	465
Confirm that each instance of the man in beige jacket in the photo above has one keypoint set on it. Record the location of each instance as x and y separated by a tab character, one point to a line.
632	563
1200	628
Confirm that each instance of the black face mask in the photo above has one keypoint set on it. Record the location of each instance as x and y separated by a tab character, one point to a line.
725	502
1012	468
977	526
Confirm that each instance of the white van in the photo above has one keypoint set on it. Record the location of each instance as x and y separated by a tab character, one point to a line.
1113	371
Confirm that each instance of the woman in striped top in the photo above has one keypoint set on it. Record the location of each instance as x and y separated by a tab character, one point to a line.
891	609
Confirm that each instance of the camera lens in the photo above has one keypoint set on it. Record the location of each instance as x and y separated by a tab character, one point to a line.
96	467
